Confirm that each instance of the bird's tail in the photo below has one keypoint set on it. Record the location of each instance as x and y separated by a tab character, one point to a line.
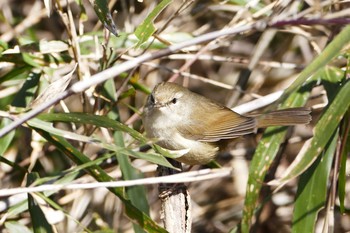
284	117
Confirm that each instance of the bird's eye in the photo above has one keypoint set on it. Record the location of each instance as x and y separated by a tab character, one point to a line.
174	100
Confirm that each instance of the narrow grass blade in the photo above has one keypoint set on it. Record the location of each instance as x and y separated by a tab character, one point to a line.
16	227
312	190
100	175
136	194
264	155
39	221
323	132
102	12
146	29
26	94
345	153
101	121
332	50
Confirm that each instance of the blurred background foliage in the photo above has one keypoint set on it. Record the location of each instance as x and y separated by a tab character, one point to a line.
97	135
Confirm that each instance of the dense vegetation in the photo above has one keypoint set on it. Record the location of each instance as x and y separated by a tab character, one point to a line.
74	76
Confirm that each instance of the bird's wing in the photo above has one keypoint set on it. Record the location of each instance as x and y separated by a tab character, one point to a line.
225	125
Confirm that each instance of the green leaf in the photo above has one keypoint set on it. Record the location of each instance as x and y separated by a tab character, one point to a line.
109	90
29	59
39	222
136	194
82	13
102	12
126	94
345	145
26	94
328	123
58	207
60	132
3	46
66	177
16	227
265	153
146	29
312	190
100	175
17	73
7	139
17	208
5	143
151	157
100	121
322	60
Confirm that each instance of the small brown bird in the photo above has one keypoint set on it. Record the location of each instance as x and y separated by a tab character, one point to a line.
181	120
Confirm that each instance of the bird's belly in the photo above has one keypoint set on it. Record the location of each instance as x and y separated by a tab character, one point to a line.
169	138
199	152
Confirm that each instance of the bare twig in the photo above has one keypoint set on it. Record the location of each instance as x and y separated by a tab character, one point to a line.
191	176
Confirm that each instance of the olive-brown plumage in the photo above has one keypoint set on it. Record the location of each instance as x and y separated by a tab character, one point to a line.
180	119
